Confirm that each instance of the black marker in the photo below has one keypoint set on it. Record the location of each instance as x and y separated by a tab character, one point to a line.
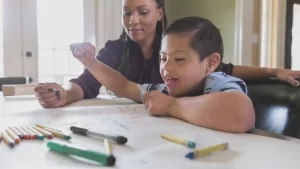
86	132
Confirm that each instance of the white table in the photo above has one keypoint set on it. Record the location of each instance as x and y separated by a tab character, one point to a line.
145	148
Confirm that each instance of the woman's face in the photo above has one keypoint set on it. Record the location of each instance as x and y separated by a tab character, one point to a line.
140	18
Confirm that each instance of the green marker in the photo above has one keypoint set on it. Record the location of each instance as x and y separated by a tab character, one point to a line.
105	159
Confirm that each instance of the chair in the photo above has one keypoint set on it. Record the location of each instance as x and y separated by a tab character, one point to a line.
277	106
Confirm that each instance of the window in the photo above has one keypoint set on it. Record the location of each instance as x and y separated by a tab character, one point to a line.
1	40
60	23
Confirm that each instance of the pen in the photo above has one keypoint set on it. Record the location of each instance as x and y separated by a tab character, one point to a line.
103	158
86	132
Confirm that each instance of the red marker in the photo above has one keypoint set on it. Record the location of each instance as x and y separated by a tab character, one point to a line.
24	133
31	134
44	132
13	136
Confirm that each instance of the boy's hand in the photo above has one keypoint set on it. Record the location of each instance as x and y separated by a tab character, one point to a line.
84	52
159	104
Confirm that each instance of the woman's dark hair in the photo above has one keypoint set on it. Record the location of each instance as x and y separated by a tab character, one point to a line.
205	36
129	59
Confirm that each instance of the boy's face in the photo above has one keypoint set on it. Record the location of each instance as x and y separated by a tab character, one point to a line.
180	66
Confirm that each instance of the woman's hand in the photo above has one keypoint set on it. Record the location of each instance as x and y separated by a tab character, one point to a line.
287	75
51	95
84	52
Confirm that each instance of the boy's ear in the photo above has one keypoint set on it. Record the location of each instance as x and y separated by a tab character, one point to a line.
213	62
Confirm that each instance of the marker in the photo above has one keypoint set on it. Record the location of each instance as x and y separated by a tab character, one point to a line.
142	90
86	132
9	141
24	133
207	151
107	147
42	127
69	149
13	129
40	136
44	132
178	140
31	134
13	136
58	134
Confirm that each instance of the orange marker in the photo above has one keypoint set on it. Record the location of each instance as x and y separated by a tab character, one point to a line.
31	134
26	136
13	136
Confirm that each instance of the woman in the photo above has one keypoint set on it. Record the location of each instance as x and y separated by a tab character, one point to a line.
135	54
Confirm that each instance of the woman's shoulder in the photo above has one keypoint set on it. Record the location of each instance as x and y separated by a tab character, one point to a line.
113	45
111	52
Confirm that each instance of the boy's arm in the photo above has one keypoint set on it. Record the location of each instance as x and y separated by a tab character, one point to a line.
224	111
114	81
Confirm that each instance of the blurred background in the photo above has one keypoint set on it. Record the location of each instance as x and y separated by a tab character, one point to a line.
35	34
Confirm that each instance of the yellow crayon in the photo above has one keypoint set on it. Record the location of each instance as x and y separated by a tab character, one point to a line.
207	151
8	140
39	135
178	140
42	127
44	132
107	146
58	134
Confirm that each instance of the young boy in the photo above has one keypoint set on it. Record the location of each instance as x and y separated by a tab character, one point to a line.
194	90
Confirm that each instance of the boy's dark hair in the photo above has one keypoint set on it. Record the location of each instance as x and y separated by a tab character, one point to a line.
206	37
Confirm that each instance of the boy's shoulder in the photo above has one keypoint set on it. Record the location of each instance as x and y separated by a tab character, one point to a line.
220	81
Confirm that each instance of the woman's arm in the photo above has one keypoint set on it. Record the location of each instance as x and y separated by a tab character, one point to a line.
224	111
253	72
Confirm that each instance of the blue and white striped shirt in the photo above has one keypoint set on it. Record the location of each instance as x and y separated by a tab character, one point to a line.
215	82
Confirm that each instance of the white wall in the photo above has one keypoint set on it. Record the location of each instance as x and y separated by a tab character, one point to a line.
220	12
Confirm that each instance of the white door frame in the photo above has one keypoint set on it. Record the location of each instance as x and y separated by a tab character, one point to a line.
20	35
243	32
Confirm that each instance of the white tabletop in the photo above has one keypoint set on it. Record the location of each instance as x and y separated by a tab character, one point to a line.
145	148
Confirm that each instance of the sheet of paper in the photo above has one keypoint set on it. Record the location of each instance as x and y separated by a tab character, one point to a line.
145	148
